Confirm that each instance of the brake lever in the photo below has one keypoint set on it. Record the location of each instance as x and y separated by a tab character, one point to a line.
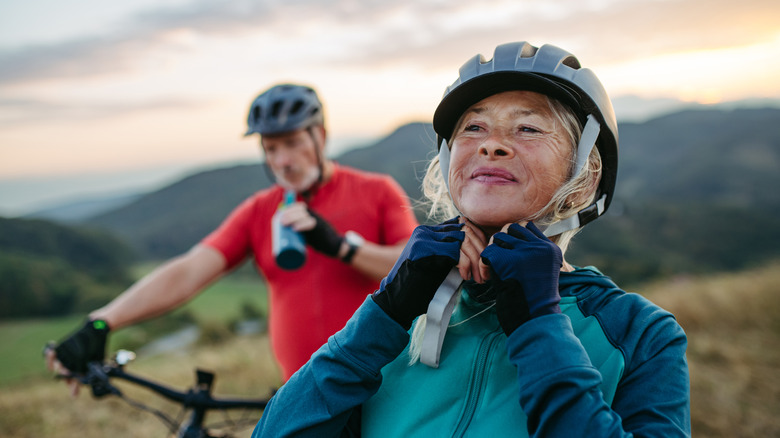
97	379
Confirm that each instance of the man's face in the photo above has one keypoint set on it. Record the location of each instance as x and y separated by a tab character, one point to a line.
293	157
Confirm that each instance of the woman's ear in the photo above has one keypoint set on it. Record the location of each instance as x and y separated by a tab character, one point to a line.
582	196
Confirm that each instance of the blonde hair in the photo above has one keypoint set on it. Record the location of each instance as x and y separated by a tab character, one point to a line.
574	195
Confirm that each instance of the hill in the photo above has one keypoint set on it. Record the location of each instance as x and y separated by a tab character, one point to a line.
693	195
725	157
48	269
169	221
74	212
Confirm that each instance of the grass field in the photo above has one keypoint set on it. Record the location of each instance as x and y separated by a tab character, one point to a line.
42	408
732	322
733	327
23	341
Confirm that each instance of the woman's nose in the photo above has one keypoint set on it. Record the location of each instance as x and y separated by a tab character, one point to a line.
496	146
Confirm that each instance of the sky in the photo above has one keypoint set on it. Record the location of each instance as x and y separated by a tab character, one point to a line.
101	98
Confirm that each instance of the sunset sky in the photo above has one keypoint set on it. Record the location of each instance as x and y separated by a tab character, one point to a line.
104	97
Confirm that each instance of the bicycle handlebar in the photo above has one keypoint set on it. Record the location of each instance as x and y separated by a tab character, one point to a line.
198	398
99	374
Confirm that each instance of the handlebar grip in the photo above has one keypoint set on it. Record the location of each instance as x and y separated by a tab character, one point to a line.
98	380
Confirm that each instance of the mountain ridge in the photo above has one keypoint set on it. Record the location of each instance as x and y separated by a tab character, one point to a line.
705	165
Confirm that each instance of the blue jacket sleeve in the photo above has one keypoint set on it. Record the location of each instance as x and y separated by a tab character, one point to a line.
559	388
318	400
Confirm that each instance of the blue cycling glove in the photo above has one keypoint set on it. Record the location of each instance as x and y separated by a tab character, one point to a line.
426	260
526	265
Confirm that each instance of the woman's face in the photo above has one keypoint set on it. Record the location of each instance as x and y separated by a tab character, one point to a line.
509	155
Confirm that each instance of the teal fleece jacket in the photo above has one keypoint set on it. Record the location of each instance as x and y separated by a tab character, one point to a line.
611	364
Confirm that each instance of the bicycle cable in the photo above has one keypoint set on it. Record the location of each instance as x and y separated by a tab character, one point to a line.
173	425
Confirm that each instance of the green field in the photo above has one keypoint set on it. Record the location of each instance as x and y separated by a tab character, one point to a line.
23	340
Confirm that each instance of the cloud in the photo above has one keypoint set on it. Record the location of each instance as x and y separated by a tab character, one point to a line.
602	32
16	112
69	59
426	34
135	38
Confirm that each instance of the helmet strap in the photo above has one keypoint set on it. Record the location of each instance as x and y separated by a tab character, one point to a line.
438	317
307	194
444	163
590	133
318	153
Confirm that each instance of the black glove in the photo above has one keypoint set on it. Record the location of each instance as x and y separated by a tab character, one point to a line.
323	237
526	265
426	260
87	344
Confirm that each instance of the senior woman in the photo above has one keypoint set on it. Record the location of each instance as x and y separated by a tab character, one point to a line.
535	346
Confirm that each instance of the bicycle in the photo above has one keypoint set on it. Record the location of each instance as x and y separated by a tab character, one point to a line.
197	398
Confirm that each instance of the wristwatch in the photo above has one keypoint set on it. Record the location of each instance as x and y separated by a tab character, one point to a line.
355	241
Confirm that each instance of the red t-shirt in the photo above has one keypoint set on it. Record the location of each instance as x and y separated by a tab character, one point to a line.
315	301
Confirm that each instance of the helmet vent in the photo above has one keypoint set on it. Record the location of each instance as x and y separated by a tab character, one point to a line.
296	107
572	62
528	51
275	108
284	108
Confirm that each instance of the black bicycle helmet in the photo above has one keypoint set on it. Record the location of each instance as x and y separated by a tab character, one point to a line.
547	70
284	108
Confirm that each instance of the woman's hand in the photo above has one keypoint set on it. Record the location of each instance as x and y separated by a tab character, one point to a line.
526	266
431	252
470	264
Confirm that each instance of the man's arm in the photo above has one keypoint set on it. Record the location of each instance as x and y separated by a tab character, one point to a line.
371	259
165	288
374	260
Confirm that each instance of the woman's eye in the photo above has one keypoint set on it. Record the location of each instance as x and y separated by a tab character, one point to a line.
528	129
471	128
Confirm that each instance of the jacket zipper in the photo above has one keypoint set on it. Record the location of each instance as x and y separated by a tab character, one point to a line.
479	380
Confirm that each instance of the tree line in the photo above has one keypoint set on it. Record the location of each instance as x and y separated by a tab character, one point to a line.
47	269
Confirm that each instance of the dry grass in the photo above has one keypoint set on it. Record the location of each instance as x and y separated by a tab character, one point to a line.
243	366
732	322
733	327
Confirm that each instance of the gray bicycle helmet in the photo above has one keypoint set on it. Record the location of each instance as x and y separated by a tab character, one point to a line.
556	73
284	108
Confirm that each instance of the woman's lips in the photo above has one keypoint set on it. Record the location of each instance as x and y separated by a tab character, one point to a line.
492	176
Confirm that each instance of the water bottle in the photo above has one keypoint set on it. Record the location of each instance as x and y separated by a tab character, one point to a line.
288	246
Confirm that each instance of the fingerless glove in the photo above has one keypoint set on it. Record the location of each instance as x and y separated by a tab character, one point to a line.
428	257
85	345
526	266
